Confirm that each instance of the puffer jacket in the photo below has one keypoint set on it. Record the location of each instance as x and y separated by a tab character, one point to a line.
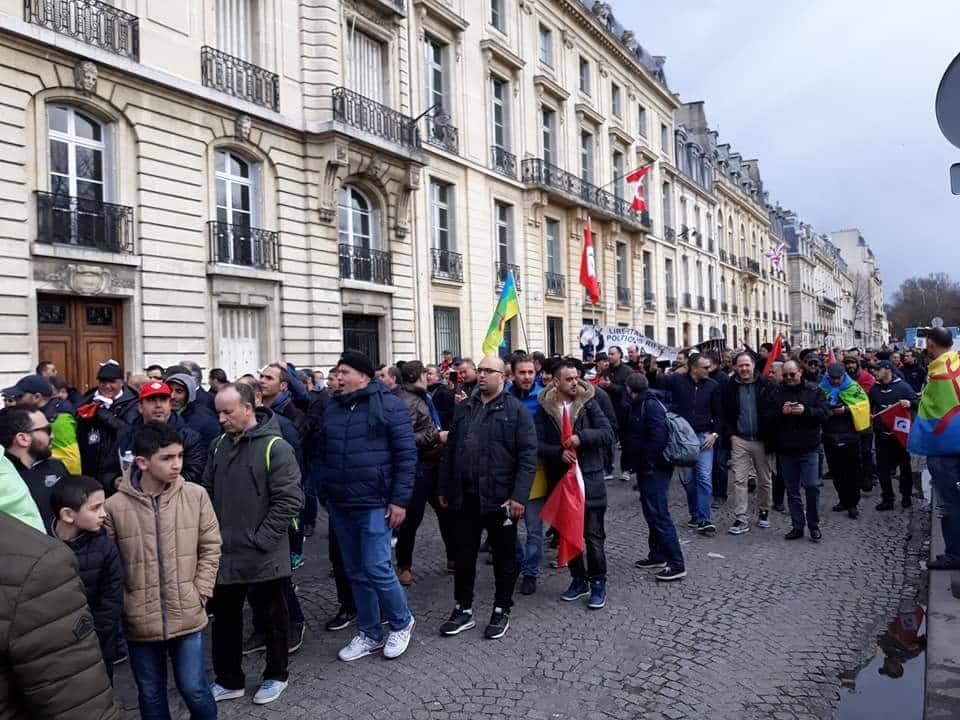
50	663
102	574
97	435
505	440
194	451
203	421
170	549
363	465
254	483
590	425
425	432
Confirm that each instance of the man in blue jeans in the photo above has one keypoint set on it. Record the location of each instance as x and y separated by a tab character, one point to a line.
797	411
368	460
696	398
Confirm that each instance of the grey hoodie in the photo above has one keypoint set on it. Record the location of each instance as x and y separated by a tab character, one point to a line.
188	382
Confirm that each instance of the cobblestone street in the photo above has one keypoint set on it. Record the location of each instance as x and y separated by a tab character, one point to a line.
760	628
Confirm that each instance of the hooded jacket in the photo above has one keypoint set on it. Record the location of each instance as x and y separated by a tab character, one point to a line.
645	436
590	425
97	436
50	662
197	415
425	432
170	549
254	483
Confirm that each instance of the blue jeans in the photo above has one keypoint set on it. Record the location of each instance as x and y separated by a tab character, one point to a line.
364	538
699	481
148	661
655	503
944	476
802	471
532	551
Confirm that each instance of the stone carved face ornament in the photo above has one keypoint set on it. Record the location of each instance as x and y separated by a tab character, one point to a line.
244	125
85	77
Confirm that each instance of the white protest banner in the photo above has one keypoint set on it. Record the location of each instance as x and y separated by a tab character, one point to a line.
600	338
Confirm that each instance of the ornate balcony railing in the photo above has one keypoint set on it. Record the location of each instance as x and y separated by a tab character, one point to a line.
649	301
66	220
669	234
504	269
701	303
447	265
89	21
829	302
733	260
503	161
240	245
366	264
442	134
535	171
684	234
671	303
753	266
239	78
370	116
555	285
723	255
688	301
623	296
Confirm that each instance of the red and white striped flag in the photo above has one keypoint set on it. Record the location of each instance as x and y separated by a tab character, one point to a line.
564	509
635	181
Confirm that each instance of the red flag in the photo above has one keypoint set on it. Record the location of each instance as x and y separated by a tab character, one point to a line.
566	505
898	420
831	358
774	354
635	179
588	266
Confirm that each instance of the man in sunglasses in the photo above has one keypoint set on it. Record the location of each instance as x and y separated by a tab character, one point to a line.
812	369
27	439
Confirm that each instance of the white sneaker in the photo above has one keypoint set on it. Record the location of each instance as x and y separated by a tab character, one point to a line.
397	641
221	693
269	691
359	647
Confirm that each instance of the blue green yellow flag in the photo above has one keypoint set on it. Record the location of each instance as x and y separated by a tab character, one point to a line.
507	307
936	430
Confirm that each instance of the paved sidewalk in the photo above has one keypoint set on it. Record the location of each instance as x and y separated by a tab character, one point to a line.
762	628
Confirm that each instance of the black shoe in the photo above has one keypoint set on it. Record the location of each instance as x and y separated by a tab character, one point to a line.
839	507
341	620
497	627
459	621
528	585
648	564
794	534
906	502
853	513
257	642
885	505
942	563
294	638
669	574
309	530
779	507
692	524
707	528
815	535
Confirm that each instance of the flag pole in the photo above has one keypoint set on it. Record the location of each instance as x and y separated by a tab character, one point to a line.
523	330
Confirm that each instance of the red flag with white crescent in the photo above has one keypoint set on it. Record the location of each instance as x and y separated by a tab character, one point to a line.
898	420
588	266
635	181
564	509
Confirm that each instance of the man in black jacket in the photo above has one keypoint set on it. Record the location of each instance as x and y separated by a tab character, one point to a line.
696	398
613	382
841	443
442	396
102	415
587	447
891	455
802	410
485	476
913	371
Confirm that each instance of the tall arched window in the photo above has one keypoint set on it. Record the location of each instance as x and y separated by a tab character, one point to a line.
237	182
358	220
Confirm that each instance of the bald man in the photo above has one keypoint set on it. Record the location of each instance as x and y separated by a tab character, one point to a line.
485	477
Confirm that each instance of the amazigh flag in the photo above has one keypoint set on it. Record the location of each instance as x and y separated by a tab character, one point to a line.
898	420
566	505
852	395
936	429
774	354
508	307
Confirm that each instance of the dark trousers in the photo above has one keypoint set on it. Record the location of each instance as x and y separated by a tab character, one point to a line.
844	462
261	609
867	464
424	491
779	489
721	460
655	503
891	456
802	472
228	631
470	524
594	535
344	590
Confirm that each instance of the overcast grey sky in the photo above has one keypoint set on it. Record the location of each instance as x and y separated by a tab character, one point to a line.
835	98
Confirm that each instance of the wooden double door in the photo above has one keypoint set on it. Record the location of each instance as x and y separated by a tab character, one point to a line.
78	334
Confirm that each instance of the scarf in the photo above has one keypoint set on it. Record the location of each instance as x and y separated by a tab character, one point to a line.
833	393
280	399
371	393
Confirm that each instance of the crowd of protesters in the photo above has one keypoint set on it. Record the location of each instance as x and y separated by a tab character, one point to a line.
181	504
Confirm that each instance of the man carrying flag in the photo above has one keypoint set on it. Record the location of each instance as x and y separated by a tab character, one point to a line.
773	355
892	402
574	436
936	434
508	307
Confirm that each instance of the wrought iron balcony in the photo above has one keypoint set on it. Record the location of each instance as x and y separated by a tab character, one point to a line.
441	134
504	269
710	245
701	303
684	233
447	265
723	255
828	302
89	21
366	264
753	266
733	260
671	303
239	78
555	285
503	161
370	116
66	220
240	245
623	296
535	171
688	301
649	301
669	234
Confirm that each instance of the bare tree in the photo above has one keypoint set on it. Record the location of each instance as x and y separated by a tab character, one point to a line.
919	299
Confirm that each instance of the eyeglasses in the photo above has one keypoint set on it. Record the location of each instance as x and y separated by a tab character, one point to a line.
791	374
487	371
45	429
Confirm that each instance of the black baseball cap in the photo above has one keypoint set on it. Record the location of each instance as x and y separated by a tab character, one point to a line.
28	385
110	370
